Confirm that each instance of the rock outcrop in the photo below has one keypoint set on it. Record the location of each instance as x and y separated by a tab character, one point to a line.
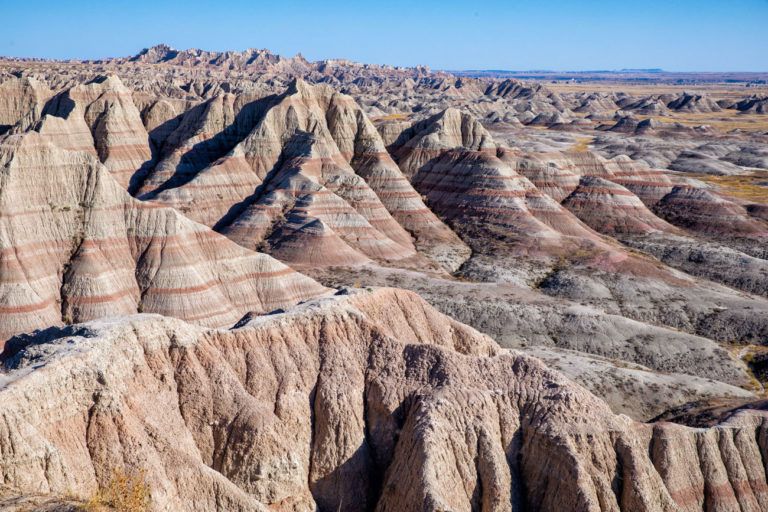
699	209
314	160
99	117
429	139
21	101
609	208
754	104
75	246
691	102
351	403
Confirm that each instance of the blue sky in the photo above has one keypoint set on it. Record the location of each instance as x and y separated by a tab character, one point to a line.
678	35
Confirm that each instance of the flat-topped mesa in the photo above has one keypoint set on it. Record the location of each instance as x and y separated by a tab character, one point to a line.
314	149
367	401
611	209
76	246
99	117
428	139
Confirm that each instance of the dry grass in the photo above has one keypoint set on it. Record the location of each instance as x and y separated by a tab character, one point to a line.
714	90
723	121
748	354
744	186
582	144
391	117
124	493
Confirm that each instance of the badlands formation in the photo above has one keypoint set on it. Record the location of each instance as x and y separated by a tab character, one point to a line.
247	282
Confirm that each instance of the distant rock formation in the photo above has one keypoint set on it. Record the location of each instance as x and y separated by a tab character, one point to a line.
609	208
691	102
754	105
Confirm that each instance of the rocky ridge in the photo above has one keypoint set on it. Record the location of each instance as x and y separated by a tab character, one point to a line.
331	423
78	247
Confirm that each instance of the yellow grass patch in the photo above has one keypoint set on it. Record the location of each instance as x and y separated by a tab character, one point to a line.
392	117
124	493
744	186
747	354
724	121
582	144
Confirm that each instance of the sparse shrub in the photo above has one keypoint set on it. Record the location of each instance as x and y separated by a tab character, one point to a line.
124	493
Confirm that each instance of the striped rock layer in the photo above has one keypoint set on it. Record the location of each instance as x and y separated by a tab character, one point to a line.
312	160
447	130
99	117
478	191
650	199
75	246
190	142
701	210
609	208
367	402
472	186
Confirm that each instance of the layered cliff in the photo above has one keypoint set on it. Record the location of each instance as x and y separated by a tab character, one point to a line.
368	401
75	246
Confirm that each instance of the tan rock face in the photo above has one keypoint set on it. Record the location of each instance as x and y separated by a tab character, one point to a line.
21	101
75	246
183	149
352	403
100	117
700	210
374	400
450	129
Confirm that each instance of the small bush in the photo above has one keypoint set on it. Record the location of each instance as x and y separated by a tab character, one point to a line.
124	493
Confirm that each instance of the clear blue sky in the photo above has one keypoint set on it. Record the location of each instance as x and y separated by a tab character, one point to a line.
678	35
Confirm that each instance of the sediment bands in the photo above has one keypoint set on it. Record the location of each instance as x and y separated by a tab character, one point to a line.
368	400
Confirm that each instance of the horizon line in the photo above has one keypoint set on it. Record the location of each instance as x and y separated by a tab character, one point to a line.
623	70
